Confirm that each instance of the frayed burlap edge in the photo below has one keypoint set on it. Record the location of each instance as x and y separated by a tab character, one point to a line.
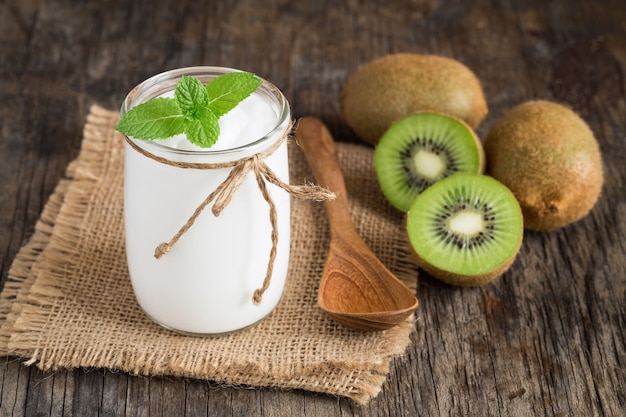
22	274
25	289
31	284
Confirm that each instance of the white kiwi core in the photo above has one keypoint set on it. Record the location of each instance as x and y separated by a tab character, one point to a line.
429	164
468	223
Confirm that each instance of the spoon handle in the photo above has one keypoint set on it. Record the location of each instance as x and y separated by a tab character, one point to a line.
321	154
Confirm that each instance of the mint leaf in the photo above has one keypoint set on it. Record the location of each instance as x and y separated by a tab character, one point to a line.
158	118
204	131
228	90
192	97
194	110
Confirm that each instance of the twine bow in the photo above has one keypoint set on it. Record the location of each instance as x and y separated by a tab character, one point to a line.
224	193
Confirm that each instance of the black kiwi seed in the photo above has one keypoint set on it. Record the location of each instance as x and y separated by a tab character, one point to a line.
460	240
417	181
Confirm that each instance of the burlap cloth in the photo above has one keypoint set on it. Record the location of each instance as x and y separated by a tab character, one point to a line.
68	301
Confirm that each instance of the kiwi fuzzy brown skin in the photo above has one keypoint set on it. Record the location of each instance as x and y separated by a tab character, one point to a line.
388	88
549	158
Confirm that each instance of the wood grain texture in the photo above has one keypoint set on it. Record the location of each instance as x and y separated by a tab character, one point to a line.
547	339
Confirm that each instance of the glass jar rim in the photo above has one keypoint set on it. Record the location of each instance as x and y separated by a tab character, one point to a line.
167	80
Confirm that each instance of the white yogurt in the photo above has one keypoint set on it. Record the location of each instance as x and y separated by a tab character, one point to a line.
205	284
252	119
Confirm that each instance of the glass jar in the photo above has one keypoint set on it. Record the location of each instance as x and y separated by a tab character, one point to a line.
206	282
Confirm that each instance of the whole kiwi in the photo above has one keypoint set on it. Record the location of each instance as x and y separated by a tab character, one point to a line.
549	158
386	89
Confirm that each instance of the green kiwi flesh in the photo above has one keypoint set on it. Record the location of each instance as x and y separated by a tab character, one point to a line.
465	230
421	149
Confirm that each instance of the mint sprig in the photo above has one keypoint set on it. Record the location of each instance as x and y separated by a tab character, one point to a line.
194	110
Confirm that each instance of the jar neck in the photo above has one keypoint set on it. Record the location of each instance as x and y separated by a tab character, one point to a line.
166	82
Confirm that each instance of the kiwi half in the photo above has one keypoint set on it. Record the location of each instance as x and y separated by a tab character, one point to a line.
465	230
421	149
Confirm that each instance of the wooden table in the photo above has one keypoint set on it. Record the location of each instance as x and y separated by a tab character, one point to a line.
546	339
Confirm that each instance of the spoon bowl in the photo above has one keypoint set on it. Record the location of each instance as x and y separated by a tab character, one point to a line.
356	288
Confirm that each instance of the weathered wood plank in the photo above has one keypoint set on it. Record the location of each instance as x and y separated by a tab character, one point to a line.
13	388
546	339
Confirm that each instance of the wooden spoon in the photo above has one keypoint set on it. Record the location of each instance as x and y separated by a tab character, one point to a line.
356	289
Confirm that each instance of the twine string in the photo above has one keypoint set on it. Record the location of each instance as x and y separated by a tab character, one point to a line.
258	293
224	193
